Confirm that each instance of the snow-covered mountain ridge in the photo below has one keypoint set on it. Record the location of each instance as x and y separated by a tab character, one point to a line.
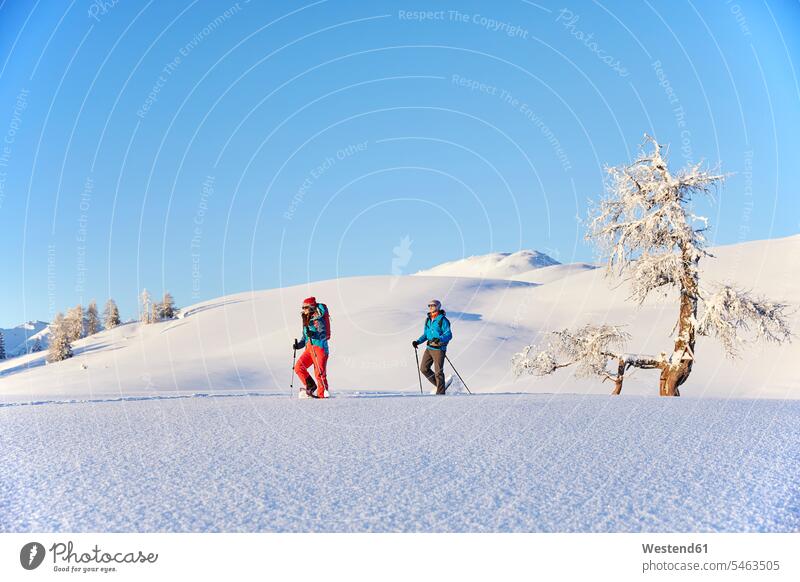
20	339
493	265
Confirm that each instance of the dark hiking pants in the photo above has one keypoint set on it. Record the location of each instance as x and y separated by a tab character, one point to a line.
434	358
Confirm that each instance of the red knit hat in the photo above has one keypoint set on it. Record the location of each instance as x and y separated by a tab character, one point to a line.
310	301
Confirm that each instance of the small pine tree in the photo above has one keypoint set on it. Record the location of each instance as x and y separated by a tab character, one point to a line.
111	315
155	311
91	320
2	346
146	307
37	346
74	323
60	348
167	307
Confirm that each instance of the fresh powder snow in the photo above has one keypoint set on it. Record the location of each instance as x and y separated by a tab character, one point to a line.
381	462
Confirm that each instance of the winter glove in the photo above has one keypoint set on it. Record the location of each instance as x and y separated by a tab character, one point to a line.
297	345
415	343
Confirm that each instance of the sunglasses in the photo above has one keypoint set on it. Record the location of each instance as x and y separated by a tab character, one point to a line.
306	307
431	305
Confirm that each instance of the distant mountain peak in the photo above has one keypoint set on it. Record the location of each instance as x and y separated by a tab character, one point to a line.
20	338
32	324
493	265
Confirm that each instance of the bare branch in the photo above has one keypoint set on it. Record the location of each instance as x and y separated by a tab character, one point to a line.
590	348
729	311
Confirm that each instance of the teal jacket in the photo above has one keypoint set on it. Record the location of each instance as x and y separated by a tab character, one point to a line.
437	328
315	331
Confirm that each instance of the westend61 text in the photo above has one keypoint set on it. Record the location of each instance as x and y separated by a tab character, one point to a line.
672	549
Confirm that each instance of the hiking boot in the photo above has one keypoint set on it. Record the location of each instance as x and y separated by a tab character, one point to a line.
311	387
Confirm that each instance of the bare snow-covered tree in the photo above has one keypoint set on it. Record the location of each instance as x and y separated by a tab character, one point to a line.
60	348
74	323
647	233
2	346
111	315
91	319
146	307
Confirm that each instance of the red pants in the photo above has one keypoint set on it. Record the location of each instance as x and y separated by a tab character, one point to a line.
319	359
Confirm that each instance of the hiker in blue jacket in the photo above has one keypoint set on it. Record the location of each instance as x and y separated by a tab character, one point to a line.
437	334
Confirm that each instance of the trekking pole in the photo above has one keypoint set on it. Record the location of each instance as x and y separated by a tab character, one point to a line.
456	371
419	374
294	357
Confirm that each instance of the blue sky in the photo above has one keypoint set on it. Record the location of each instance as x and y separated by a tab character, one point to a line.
214	147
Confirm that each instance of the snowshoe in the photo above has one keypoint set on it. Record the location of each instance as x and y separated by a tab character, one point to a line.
447	381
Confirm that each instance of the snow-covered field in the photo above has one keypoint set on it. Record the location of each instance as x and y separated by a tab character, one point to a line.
188	424
382	462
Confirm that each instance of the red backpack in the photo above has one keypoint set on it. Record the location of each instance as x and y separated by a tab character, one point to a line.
326	318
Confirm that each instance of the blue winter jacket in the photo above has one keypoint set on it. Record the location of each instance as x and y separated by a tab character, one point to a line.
315	330
439	327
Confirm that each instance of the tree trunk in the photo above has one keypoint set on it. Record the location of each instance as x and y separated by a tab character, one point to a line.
620	376
680	363
672	377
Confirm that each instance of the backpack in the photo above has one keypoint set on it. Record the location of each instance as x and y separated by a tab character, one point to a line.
327	320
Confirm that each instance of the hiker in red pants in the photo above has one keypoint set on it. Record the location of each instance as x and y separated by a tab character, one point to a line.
316	333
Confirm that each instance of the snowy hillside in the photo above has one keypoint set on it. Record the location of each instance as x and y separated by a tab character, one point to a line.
549	274
243	342
19	339
492	266
189	425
